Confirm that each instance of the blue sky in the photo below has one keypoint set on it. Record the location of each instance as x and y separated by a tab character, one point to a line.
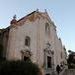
62	13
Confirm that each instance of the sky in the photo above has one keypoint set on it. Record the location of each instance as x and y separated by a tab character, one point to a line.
62	12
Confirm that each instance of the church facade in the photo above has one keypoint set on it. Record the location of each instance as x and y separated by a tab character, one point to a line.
34	36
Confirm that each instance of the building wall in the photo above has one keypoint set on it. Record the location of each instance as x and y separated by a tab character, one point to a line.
36	31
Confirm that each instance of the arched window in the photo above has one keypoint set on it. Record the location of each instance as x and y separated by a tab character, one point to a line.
47	29
27	41
49	64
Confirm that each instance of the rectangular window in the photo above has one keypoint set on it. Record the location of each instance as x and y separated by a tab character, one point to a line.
49	65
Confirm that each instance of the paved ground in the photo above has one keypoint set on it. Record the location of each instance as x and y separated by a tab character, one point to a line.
68	72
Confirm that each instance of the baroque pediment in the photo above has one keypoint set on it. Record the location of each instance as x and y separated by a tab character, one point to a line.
30	17
48	51
26	53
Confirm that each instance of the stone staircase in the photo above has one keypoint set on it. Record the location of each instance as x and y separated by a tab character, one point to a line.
68	72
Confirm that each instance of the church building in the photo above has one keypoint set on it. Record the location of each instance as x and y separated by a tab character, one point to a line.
34	36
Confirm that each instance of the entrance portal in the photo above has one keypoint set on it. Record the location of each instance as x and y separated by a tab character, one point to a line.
26	55
47	74
26	58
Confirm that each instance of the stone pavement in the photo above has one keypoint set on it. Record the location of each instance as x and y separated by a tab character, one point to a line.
68	72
